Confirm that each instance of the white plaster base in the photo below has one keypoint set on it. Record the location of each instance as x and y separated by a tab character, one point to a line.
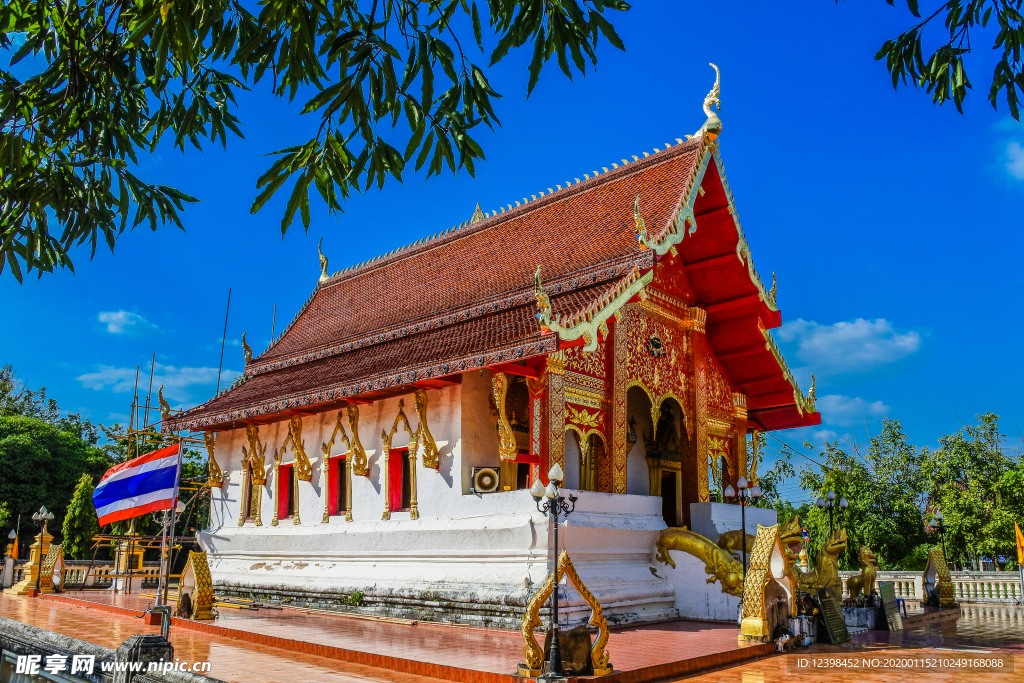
694	597
481	566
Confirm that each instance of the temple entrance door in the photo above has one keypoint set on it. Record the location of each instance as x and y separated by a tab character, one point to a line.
669	496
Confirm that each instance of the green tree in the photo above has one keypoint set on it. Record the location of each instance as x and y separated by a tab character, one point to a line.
957	24
80	522
391	82
883	483
977	488
42	466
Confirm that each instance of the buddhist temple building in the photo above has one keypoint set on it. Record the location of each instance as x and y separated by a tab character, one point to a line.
383	445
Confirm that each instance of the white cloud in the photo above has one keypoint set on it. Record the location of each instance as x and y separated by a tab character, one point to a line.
124	322
847	346
1015	160
178	382
844	411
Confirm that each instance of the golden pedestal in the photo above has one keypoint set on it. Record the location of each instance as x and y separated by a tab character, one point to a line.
38	549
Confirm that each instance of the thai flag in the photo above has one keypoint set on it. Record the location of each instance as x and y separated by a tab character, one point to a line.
133	488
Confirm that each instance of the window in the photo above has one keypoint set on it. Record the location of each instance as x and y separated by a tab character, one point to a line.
285	491
337	500
399	480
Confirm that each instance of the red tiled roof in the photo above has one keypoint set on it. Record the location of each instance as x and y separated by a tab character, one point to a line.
569	230
478	340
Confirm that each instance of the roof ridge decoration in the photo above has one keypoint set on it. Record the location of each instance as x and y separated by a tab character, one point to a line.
804	404
712	127
520	207
609	270
591	320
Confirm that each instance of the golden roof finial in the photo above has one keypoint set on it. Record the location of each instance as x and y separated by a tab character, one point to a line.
478	215
246	349
323	263
165	408
712	128
641	227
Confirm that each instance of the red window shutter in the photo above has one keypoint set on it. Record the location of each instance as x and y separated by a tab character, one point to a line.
395	479
332	490
283	479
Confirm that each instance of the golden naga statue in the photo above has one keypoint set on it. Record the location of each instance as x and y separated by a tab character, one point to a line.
826	574
732	541
791	536
717	562
865	582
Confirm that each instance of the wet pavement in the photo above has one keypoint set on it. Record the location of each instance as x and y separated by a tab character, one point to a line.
491	650
983	633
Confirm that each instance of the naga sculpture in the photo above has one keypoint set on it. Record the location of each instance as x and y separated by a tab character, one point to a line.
718	563
826	573
791	536
732	541
865	581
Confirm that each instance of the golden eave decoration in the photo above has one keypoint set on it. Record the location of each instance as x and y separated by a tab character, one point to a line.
507	438
804	404
255	455
431	456
303	468
360	466
216	475
532	652
588	324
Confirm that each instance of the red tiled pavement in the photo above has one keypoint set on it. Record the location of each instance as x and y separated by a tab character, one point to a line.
231	660
983	631
638	653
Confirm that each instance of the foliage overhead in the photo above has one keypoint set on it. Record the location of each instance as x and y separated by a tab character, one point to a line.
393	84
943	73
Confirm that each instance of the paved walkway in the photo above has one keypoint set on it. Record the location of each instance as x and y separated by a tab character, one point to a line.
231	661
491	650
984	631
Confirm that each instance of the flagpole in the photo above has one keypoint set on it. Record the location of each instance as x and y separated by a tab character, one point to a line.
174	512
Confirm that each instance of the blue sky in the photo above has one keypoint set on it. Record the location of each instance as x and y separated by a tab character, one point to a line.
893	225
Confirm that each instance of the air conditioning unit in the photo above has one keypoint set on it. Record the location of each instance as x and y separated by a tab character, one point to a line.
485	480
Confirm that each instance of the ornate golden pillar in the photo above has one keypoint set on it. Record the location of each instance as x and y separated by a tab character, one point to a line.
699	344
537	388
619	426
739	403
556	411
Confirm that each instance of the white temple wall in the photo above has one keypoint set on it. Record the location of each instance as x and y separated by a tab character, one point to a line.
572	460
479	447
474	558
638	475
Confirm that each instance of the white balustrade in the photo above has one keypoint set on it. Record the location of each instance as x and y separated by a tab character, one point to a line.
969	587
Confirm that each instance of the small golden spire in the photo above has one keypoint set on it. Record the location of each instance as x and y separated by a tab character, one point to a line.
246	349
323	263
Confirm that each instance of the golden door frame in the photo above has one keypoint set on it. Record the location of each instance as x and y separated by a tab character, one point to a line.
532	652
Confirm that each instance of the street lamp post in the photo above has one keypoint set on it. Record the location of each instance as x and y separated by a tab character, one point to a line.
41	518
554	506
747	491
828	503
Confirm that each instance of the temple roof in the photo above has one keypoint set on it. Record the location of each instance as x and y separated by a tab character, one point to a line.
465	298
